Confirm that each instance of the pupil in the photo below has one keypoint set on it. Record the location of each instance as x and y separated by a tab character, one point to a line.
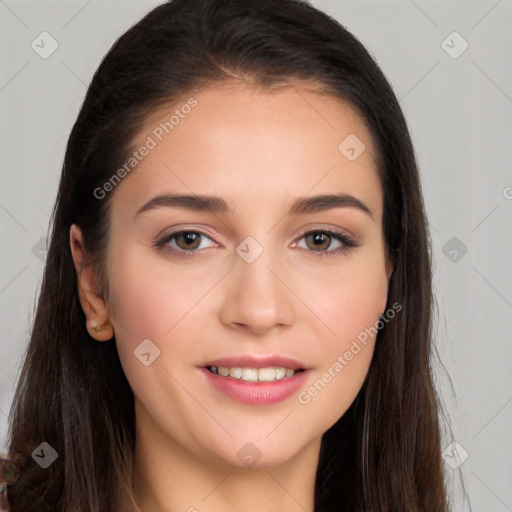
320	240
189	239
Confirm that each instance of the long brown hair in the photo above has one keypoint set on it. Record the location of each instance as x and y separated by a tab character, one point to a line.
384	453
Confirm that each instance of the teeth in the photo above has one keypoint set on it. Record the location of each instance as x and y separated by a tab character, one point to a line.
250	374
254	374
269	374
235	372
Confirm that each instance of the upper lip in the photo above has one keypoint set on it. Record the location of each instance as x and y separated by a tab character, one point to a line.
257	361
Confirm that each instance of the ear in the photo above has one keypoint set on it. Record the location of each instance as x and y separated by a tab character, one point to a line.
92	302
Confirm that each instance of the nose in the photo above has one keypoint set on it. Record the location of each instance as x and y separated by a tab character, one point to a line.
255	297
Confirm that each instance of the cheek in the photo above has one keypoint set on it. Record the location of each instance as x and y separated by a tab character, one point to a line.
150	297
349	298
351	309
146	305
154	300
150	302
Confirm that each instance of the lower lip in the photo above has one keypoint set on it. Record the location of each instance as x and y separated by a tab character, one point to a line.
256	393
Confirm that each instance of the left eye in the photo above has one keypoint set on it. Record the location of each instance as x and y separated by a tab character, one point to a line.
325	241
187	240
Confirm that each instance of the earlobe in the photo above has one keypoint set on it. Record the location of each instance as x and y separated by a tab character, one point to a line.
103	332
92	302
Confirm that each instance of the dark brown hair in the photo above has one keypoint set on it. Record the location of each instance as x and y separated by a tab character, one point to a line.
384	453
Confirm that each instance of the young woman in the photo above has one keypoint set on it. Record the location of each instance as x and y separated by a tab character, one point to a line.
236	306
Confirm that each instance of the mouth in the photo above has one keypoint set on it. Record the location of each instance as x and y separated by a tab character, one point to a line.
256	380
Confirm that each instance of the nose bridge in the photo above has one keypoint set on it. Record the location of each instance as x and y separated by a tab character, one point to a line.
256	298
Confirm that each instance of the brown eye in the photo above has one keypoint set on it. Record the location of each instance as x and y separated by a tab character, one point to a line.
326	243
184	243
318	241
188	240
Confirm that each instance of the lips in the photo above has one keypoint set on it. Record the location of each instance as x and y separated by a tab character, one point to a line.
255	393
255	361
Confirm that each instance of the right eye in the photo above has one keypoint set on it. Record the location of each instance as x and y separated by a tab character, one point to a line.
184	241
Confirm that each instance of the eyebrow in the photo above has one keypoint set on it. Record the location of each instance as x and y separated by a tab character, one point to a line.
327	202
217	205
196	202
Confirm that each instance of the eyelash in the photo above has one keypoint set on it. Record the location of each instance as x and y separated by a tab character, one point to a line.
347	243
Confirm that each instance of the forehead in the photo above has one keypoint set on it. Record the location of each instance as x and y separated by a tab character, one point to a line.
240	142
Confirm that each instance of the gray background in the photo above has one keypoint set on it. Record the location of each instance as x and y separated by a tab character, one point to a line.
459	109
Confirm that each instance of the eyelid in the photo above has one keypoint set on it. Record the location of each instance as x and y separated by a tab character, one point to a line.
330	230
326	228
180	228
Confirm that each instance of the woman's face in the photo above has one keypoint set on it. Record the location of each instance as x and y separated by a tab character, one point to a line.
248	236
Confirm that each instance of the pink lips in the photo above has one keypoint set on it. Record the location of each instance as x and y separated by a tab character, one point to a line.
248	361
256	393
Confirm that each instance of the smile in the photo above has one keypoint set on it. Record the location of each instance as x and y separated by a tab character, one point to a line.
267	374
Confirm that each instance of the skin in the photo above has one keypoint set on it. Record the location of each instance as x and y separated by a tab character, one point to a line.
259	151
